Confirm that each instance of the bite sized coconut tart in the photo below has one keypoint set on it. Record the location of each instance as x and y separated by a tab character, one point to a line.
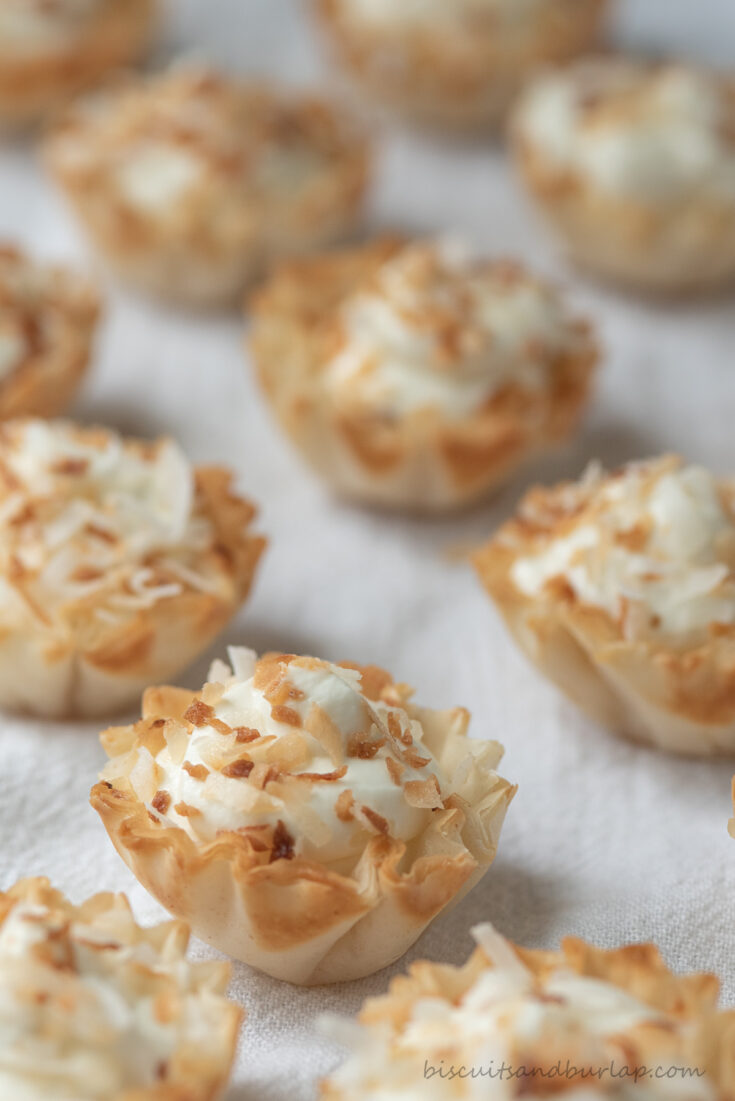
456	64
119	563
411	376
621	589
633	164
304	817
578	1023
95	1008
190	183
48	319
51	49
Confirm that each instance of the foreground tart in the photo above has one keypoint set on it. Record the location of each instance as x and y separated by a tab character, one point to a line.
190	183
50	49
95	1008
621	588
119	563
411	376
634	166
304	817
455	63
578	1023
48	318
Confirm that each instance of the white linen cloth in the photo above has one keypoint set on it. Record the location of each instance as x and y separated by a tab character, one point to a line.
604	840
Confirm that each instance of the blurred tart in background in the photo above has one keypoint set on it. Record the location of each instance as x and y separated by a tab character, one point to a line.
48	320
52	49
621	589
305	817
119	563
633	166
191	183
513	1022
455	63
95	1007
411	376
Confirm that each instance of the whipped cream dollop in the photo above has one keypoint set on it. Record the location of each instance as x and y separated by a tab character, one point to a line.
655	133
506	1015
654	546
32	25
312	758
89	1008
434	330
85	510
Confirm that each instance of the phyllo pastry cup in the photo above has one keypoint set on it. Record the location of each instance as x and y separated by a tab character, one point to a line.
191	183
633	166
459	64
621	589
48	319
304	817
95	1008
580	1022
412	376
119	563
51	49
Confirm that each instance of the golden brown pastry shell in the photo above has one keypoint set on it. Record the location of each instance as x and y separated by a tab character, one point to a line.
666	249
296	919
34	85
78	665
463	77
422	462
198	1075
650	690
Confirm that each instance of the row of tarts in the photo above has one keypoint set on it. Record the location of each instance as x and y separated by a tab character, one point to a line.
306	816
302	815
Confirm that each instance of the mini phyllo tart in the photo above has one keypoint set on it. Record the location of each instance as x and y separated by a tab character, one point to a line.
304	817
95	1008
634	166
621	588
410	376
119	563
455	63
191	183
580	1022
48	318
50	49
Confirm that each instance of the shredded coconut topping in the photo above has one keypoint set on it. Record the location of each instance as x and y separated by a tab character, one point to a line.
502	1013
38	307
90	1005
658	133
435	330
308	758
653	545
86	514
190	134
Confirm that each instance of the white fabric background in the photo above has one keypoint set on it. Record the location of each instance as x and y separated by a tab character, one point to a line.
604	840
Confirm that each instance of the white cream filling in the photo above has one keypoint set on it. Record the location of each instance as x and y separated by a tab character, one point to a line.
393	362
74	1028
503	1018
30	25
229	803
155	176
676	577
670	145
